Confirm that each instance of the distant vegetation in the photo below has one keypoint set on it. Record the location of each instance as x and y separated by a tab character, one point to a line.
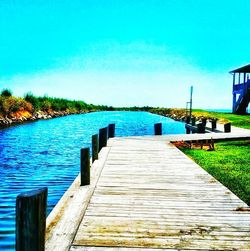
15	107
10	105
46	103
6	93
229	164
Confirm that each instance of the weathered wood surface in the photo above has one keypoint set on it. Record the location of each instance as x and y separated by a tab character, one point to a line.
242	134
30	220
63	222
85	166
95	147
150	196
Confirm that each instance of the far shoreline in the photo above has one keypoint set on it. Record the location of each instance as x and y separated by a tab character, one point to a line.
177	114
17	110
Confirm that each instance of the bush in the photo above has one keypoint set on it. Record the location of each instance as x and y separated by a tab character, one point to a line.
46	105
6	93
24	105
33	103
29	97
12	104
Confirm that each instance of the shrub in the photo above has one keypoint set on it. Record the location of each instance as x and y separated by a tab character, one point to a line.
6	93
33	100
46	105
12	104
24	105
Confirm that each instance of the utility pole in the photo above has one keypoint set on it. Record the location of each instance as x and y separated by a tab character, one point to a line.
191	101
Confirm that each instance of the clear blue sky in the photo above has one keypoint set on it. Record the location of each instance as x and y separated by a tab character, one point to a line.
131	52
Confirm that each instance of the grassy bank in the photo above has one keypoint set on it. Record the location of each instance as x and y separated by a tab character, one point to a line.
30	107
242	121
229	163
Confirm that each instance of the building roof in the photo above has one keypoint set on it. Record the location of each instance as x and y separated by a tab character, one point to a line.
243	69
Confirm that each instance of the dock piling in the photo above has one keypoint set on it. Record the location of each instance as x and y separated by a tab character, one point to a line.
200	128
111	130
227	127
204	121
193	120
103	137
94	147
85	167
158	128
213	124
31	220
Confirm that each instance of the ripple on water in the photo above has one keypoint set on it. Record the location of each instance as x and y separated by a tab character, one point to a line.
46	154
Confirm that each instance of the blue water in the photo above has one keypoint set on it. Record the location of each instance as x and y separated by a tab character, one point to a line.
46	153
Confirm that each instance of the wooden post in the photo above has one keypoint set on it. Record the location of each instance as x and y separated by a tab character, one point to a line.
204	121
31	220
234	102
188	119
200	128
94	147
158	128
201	142
234	94
227	127
111	130
191	101
244	83
85	167
103	137
213	124
212	144
193	120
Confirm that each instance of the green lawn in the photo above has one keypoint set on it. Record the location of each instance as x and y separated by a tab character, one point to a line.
229	163
242	121
236	120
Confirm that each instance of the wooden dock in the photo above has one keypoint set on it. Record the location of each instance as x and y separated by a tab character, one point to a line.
145	194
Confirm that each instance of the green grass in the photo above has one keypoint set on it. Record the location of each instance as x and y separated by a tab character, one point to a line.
242	121
229	164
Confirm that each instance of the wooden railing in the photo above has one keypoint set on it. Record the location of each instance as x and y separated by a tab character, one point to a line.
242	86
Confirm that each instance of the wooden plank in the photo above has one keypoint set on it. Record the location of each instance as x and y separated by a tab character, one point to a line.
79	248
163	211
139	225
63	221
184	242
